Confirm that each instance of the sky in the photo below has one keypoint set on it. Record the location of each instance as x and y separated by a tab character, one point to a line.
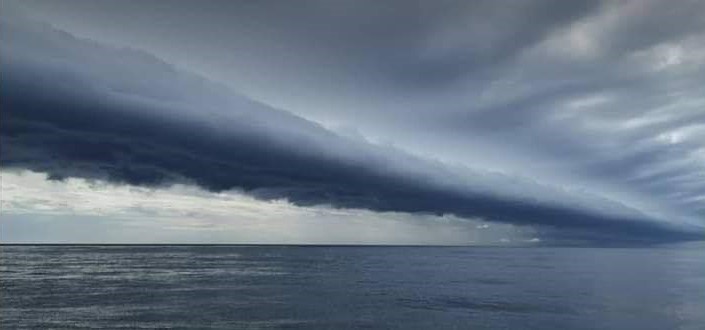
352	122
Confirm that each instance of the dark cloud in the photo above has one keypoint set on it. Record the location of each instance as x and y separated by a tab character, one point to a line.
460	80
74	108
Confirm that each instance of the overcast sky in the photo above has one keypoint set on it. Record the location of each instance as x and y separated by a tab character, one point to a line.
433	122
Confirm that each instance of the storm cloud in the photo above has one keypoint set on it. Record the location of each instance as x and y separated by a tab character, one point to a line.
75	108
552	115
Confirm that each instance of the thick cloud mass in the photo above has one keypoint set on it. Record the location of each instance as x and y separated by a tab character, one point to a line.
75	108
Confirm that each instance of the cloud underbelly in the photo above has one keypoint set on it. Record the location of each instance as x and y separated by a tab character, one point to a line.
88	119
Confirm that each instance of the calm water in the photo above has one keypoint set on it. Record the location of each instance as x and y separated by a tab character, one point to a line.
352	287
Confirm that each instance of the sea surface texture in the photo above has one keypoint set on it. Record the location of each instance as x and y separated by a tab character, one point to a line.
231	287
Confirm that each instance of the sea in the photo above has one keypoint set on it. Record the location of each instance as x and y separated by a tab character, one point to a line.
351	287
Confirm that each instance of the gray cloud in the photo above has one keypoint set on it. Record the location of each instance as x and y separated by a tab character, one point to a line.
600	98
75	108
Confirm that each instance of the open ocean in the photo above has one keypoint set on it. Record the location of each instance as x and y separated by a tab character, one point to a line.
336	287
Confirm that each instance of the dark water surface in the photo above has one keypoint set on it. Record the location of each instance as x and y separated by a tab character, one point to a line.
226	287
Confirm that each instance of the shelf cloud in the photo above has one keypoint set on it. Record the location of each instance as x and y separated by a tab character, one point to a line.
78	107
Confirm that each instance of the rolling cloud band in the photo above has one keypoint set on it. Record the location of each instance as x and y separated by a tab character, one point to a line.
69	111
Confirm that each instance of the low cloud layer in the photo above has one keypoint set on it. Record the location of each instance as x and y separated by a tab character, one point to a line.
75	107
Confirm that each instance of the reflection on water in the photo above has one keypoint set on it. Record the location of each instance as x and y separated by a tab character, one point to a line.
351	287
